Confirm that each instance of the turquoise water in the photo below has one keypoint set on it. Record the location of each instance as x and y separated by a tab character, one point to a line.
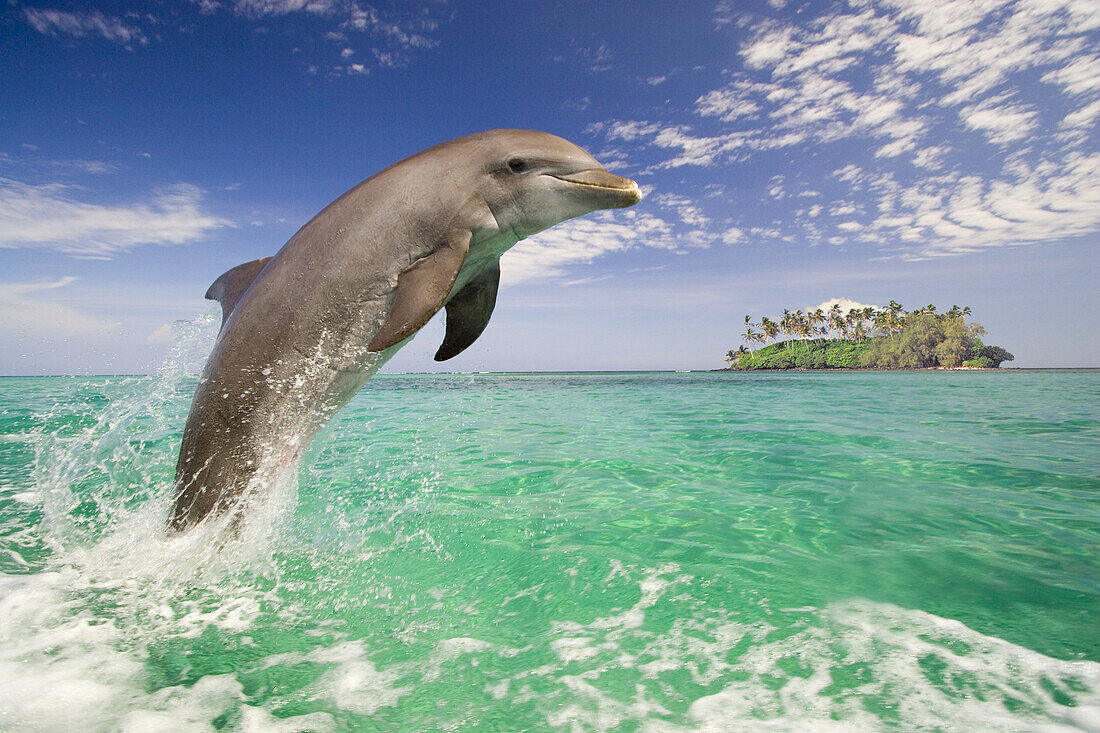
574	552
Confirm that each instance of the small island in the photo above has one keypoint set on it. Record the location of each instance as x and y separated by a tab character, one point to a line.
867	338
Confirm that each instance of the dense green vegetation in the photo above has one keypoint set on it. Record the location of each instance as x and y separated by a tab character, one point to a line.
870	338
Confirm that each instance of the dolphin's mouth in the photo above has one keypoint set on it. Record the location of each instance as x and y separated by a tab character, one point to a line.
600	178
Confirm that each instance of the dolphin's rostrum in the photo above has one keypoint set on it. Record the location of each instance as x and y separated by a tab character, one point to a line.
304	329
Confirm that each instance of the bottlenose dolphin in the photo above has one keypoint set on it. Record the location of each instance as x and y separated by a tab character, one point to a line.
303	330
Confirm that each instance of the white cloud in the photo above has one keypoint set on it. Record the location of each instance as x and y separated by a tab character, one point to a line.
396	32
95	167
770	48
939	104
688	211
261	8
91	23
1080	76
846	304
160	336
776	187
44	166
48	216
1083	119
586	280
1001	124
931	156
951	214
22	316
596	59
630	130
733	235
581	241
726	104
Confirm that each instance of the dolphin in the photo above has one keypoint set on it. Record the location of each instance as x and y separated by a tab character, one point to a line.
304	329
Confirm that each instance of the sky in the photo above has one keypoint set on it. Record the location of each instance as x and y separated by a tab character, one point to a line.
792	154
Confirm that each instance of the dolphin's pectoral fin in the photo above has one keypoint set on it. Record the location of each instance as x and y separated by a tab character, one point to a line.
468	313
421	290
229	288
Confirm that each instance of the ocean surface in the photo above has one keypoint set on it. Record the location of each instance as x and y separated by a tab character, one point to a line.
568	552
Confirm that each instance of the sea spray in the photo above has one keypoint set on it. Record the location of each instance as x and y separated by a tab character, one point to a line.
77	631
108	451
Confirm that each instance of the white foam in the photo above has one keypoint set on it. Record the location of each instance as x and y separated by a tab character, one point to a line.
62	666
353	682
850	666
890	651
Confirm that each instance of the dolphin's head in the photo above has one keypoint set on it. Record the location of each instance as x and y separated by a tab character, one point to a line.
534	180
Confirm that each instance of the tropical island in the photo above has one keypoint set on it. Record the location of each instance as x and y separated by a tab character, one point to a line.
867	338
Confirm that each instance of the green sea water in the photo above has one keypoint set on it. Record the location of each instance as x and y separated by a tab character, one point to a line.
569	552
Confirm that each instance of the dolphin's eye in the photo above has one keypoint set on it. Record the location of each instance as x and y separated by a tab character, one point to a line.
517	165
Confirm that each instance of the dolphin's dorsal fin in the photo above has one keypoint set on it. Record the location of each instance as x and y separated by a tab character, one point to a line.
229	288
420	292
468	313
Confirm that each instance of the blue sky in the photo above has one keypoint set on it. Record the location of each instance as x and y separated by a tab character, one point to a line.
927	151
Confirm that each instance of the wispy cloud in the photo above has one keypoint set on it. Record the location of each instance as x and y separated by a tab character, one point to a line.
1001	122
390	37
23	315
687	210
80	24
262	8
29	159
50	217
582	241
382	38
901	87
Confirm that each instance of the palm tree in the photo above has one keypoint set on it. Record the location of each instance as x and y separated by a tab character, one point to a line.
881	322
895	320
803	323
769	327
752	337
733	356
817	318
856	317
858	331
837	322
804	328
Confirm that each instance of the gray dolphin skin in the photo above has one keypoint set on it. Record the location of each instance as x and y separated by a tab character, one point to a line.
304	329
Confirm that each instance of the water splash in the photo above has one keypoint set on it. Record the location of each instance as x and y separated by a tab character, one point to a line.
104	468
103	473
107	582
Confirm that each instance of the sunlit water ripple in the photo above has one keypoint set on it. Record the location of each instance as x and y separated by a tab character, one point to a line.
588	552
